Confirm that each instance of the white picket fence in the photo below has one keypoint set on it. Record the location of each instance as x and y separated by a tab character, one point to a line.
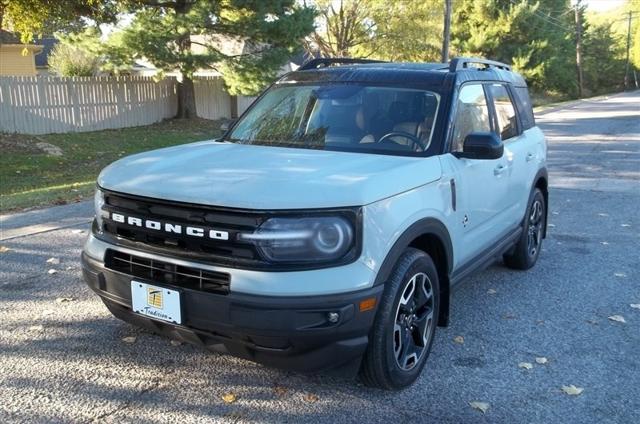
212	101
43	105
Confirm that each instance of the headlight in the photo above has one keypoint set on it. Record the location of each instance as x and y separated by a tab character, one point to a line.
304	239
98	203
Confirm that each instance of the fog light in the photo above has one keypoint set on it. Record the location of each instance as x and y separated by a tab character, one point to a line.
333	317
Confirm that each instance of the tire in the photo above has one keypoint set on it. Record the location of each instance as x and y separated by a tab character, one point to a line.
402	325
526	251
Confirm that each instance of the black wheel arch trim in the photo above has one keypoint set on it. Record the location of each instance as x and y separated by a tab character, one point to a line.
543	174
422	227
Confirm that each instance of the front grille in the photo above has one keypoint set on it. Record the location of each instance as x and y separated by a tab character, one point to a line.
224	252
166	273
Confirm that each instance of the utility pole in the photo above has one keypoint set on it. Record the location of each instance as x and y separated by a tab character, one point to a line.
626	69
447	31
579	47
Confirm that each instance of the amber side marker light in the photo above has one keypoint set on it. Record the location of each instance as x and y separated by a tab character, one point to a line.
367	304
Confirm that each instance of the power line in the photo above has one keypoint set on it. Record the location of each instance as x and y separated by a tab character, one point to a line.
545	18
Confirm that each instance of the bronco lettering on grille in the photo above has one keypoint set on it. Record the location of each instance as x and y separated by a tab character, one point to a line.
169	227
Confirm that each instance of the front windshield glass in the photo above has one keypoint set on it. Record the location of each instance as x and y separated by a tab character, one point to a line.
341	117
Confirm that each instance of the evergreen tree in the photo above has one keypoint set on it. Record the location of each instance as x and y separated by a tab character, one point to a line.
537	38
604	59
187	35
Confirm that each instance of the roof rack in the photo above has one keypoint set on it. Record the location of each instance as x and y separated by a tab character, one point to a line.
459	63
322	62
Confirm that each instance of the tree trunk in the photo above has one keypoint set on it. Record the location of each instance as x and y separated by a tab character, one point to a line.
186	99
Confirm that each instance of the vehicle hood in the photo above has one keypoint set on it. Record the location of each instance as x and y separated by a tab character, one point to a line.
265	177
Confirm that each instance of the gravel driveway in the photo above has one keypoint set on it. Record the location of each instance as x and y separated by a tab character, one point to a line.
63	358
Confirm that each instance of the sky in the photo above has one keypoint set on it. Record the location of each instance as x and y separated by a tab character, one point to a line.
602	5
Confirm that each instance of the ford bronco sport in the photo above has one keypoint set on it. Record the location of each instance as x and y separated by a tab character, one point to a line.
328	226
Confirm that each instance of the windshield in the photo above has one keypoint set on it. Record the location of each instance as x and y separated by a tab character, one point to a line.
349	117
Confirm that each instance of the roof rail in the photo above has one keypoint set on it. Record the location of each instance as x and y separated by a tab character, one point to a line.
322	62
459	63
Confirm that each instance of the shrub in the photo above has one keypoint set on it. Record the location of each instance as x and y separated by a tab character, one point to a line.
71	61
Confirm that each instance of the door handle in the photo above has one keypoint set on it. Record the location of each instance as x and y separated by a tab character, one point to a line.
530	157
499	170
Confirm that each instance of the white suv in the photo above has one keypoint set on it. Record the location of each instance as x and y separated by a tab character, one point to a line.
327	227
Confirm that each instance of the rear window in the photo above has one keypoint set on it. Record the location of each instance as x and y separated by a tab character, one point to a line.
525	110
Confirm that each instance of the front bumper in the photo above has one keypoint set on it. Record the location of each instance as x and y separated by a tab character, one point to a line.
283	332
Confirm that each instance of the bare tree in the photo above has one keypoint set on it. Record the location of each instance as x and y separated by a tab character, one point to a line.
339	29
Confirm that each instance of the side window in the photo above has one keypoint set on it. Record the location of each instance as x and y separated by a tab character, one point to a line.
525	110
505	112
472	114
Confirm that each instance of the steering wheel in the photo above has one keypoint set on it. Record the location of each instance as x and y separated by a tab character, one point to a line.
414	140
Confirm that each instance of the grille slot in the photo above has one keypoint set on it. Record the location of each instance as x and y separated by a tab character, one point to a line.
168	273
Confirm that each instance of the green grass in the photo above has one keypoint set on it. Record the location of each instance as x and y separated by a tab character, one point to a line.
29	177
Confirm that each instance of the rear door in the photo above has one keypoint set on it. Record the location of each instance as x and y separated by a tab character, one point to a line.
481	186
519	148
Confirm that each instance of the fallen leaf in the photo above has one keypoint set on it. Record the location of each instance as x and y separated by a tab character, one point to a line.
572	390
635	305
541	360
458	339
36	328
525	365
229	397
53	261
4	249
64	299
129	339
617	318
480	406
52	271
311	398
176	343
280	391
492	291
619	274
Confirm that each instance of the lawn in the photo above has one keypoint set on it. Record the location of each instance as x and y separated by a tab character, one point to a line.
31	176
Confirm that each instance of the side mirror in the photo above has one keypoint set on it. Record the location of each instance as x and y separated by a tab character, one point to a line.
482	145
227	124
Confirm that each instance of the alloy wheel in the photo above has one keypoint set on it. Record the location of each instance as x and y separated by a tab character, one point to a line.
534	229
414	323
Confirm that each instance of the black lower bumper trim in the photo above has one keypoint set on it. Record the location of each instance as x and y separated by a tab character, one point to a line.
285	332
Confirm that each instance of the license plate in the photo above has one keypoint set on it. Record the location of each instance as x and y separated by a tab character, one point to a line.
156	302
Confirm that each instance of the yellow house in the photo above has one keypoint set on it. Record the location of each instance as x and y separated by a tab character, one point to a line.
17	59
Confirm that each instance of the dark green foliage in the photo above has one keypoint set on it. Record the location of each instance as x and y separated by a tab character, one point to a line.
540	44
188	35
604	60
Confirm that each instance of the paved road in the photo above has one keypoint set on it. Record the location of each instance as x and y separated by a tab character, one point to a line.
66	361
